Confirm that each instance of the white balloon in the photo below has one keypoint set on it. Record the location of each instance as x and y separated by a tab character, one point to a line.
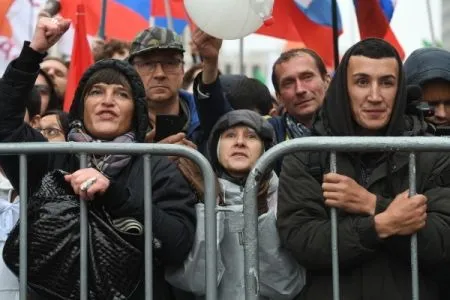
229	19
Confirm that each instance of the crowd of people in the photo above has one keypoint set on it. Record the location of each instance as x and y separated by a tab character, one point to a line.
139	93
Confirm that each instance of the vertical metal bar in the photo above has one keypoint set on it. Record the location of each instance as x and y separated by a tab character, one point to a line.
210	229
334	236
83	239
414	260
23	193
251	255
148	231
241	57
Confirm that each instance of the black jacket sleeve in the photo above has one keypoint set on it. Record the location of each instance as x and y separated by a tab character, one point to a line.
305	227
433	242
15	86
173	210
174	217
211	103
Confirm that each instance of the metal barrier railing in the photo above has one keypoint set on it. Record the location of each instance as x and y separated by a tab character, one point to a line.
24	149
329	144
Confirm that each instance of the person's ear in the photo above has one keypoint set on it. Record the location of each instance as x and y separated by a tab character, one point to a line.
327	81
279	98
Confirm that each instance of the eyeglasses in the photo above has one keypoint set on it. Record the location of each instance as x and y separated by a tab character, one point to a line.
50	131
42	89
169	66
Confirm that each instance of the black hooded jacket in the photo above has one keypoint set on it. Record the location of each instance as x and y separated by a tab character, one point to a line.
173	200
370	268
336	112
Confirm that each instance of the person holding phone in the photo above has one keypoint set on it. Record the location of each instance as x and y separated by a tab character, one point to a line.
157	55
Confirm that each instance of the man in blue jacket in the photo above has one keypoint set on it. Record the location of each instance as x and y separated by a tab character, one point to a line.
157	55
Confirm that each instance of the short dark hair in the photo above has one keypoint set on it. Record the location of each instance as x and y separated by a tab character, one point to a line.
111	47
288	55
247	93
374	48
62	118
107	76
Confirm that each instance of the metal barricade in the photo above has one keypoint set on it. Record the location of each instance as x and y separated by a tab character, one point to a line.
24	149
329	144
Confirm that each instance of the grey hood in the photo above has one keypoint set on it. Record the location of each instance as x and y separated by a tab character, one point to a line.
233	118
427	64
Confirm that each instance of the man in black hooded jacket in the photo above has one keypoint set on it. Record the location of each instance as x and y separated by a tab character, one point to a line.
367	97
429	68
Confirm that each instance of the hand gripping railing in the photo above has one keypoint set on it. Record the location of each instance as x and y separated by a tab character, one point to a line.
24	149
330	144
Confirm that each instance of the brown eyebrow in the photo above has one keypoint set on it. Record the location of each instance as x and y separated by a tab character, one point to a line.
301	74
287	78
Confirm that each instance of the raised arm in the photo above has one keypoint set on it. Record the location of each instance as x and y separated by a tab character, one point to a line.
15	86
210	98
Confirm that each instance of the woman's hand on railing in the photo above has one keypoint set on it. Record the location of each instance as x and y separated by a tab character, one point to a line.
88	182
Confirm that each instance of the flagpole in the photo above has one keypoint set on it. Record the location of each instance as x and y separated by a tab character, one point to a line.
334	15
241	56
430	23
101	30
168	14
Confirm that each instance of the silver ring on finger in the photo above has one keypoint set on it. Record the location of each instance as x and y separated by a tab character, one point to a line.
87	184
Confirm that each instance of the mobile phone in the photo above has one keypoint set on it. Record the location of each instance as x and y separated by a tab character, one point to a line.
167	125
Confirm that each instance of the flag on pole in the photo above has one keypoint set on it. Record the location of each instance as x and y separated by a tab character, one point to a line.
81	57
179	16
374	18
307	21
126	18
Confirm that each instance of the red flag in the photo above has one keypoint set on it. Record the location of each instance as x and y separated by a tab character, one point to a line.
122	21
373	22
176	8
81	57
